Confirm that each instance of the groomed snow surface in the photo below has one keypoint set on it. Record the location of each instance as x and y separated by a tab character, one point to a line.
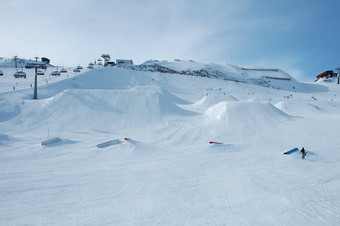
167	173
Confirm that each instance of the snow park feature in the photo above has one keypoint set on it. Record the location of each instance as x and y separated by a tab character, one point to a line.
109	143
214	142
168	174
51	141
291	151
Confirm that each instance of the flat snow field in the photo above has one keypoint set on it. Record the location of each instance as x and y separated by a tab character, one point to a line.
167	173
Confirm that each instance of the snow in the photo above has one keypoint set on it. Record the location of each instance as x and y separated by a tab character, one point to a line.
168	173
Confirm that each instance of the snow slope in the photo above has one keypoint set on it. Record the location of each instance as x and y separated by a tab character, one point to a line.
168	173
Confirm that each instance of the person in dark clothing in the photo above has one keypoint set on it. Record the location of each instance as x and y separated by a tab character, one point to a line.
303	153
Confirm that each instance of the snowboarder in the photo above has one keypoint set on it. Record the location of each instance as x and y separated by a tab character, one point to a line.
303	153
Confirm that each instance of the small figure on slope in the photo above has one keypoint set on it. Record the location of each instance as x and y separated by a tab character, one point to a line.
303	153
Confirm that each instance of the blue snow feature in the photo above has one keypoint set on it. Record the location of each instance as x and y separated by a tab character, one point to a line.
291	151
109	143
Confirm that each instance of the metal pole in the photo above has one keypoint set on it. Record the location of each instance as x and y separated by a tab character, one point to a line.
338	75
35	95
15	59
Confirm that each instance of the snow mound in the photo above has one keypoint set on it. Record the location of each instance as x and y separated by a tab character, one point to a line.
214	99
111	78
110	109
247	116
207	101
303	108
228	120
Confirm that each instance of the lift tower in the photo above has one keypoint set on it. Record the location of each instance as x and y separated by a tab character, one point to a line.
36	66
15	60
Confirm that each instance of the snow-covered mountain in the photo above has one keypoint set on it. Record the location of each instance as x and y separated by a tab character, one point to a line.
166	171
267	77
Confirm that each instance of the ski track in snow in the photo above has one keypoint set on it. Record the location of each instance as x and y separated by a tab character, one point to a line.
168	174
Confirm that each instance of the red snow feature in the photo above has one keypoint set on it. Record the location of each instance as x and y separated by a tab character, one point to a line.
127	138
213	142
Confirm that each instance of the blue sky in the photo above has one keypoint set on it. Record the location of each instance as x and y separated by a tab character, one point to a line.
300	36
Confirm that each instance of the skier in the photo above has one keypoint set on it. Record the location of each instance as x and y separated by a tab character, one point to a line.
303	153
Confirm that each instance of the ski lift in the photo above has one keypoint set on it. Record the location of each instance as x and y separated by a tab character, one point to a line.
1	73
63	70
79	67
76	70
40	72
20	74
55	73
111	64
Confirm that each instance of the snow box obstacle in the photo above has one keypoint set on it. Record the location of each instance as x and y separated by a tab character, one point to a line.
109	143
291	151
51	141
214	142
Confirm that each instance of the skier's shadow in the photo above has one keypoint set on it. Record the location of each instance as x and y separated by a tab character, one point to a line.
223	148
133	142
311	156
310	153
